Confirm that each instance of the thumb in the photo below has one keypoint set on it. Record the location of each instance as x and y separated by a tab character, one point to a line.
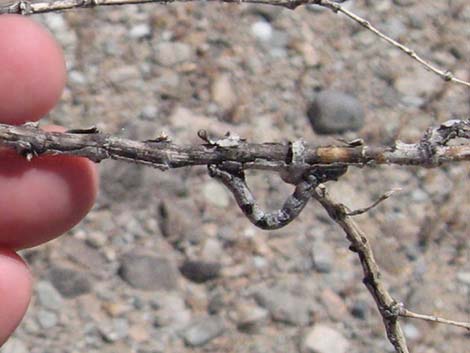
15	292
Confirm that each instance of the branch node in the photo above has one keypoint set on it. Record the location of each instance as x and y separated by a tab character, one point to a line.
25	7
26	149
295	160
448	76
393	310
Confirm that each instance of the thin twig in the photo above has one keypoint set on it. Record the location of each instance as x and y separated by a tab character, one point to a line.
25	7
446	75
382	198
407	313
431	151
372	279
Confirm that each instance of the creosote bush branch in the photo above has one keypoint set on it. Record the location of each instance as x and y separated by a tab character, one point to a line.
304	165
432	150
299	163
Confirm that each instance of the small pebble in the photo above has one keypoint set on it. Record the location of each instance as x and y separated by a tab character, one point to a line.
359	309
285	306
48	296
216	194
200	271
140	31
202	331
172	53
250	316
323	257
324	339
411	331
46	319
262	30
464	277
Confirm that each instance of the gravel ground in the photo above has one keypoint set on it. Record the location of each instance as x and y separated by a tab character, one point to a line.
166	262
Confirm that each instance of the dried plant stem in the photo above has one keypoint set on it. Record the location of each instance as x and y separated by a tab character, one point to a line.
360	244
381	199
28	8
431	151
407	313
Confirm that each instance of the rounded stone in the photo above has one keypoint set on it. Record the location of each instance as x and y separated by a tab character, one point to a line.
148	272
323	339
333	112
69	282
200	271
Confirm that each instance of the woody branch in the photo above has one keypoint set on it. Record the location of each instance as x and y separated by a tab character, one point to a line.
431	151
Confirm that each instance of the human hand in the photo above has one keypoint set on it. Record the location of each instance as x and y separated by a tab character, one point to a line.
41	199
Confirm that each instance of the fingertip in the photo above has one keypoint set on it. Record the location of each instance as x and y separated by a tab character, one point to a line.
32	70
43	198
15	292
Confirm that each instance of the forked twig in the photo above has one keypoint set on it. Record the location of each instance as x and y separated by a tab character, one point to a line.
389	308
372	279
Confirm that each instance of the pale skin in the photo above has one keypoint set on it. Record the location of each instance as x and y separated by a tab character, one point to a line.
41	199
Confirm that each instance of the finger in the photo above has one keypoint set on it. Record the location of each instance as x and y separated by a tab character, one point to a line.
15	292
32	70
43	198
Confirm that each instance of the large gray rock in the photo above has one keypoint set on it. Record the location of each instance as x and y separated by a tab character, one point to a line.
149	272
334	112
69	282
